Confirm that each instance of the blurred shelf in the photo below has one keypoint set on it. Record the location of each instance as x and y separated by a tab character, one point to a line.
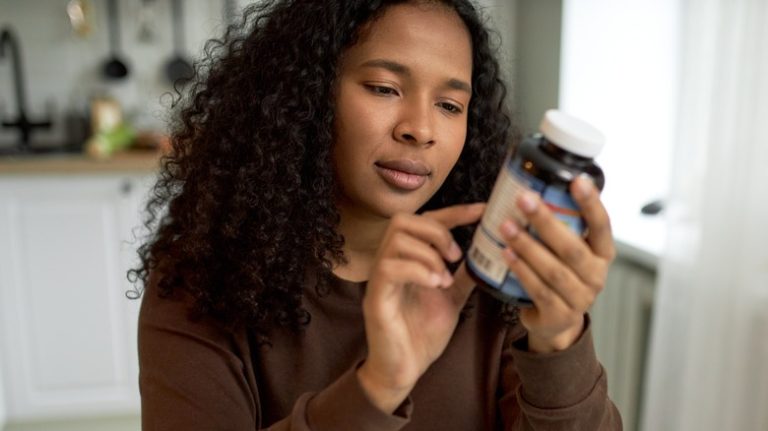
54	164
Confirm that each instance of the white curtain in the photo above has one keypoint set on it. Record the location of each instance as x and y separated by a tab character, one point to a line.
708	361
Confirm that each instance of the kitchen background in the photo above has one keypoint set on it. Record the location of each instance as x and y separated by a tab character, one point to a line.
64	68
680	329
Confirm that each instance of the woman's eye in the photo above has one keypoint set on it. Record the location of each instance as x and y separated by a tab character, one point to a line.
451	108
383	91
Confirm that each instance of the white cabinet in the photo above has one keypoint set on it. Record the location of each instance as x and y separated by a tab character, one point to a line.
68	332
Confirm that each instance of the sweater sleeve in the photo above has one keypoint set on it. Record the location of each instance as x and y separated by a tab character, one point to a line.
195	375
564	390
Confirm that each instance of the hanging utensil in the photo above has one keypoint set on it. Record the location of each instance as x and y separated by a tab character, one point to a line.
114	68
178	68
146	21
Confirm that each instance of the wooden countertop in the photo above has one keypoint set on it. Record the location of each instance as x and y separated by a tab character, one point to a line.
127	161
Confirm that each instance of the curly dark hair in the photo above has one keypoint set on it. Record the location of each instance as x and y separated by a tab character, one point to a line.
243	209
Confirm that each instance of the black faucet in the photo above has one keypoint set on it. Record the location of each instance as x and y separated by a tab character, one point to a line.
9	41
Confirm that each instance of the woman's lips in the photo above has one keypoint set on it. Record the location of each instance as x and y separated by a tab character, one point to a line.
403	174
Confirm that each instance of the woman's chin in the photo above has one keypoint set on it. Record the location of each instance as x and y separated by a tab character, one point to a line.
384	203
389	209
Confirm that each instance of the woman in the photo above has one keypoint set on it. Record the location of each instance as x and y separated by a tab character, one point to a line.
305	275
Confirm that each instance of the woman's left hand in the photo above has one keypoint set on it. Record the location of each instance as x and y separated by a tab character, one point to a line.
563	277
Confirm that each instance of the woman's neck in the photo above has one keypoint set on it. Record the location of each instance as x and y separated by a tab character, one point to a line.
362	233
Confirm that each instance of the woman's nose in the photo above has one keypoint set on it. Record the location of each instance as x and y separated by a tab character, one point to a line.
416	125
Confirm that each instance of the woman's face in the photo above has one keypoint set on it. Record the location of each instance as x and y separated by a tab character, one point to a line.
402	98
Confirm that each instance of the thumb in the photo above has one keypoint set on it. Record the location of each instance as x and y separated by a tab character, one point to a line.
457	215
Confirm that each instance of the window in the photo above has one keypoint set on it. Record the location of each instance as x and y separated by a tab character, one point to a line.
619	71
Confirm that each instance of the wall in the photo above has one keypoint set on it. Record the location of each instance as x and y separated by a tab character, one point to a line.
529	55
537	64
63	71
501	16
3	412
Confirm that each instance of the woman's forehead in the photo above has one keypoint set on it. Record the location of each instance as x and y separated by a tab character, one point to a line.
432	36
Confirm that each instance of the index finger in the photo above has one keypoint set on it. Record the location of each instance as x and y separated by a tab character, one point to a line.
600	235
457	215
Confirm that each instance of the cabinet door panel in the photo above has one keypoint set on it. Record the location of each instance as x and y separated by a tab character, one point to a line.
67	269
68	335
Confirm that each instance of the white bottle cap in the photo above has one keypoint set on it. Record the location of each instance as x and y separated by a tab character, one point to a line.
571	134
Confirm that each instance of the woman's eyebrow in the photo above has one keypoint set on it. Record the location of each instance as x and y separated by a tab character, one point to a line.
460	85
390	65
401	69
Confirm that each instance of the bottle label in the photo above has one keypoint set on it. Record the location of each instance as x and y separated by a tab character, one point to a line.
485	255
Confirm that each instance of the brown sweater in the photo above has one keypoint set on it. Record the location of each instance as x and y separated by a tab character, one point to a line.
197	376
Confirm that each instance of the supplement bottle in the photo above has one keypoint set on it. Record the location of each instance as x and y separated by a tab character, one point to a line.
544	163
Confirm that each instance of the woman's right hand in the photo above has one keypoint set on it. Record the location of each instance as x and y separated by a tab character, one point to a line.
412	303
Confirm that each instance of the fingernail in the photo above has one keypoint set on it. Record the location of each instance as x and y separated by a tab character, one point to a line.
447	279
435	279
528	202
509	229
509	254
584	186
455	252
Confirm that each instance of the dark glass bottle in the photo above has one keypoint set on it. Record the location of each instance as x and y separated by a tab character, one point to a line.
545	163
